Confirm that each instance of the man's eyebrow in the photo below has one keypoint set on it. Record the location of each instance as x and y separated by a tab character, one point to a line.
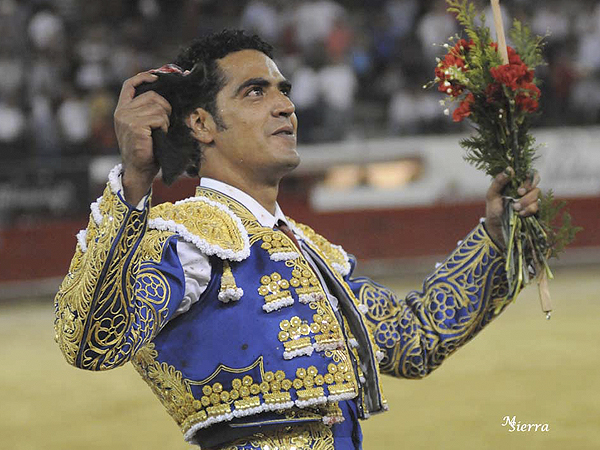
284	84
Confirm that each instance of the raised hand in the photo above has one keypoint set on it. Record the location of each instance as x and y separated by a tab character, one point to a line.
135	118
526	205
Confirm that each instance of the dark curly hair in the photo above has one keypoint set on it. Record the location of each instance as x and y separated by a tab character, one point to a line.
178	151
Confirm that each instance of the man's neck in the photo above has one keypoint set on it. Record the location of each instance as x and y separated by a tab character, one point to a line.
264	193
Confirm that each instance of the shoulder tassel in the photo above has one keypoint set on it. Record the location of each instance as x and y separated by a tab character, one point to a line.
229	290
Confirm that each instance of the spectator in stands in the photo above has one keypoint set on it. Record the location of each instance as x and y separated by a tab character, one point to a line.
13	127
43	120
585	99
93	52
13	20
73	117
47	29
313	21
434	28
338	84
307	96
402	14
102	106
263	18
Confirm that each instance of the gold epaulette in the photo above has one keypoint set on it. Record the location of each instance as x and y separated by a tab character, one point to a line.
335	254
207	224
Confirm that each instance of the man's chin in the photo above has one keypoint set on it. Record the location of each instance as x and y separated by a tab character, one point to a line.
293	161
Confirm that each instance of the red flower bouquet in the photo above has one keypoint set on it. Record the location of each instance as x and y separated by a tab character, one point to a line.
496	89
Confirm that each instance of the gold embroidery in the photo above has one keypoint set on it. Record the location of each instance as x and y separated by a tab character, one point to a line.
334	254
248	220
294	334
94	327
175	391
306	436
307	285
279	246
153	245
247	380
202	220
324	330
228	290
167	383
297	344
274	289
450	306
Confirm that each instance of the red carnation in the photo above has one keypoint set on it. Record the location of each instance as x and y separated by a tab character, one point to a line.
455	58
512	75
515	73
461	47
527	98
464	109
513	56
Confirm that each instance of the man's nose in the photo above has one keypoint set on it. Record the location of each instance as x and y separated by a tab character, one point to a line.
284	106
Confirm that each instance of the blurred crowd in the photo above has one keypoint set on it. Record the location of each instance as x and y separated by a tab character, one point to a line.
357	67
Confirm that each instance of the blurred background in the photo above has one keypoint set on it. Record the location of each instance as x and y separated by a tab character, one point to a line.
382	174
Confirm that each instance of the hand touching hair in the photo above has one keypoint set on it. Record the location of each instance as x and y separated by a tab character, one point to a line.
176	151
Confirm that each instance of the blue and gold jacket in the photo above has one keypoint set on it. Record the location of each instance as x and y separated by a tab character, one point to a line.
263	344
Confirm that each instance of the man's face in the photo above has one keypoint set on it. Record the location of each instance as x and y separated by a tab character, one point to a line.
259	137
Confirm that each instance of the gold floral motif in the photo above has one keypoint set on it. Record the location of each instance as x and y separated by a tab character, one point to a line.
323	333
307	285
324	329
448	312
153	245
167	383
249	222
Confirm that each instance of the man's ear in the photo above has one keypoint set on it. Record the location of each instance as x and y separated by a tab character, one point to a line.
202	125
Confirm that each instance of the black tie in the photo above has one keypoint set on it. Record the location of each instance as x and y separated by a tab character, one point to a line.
282	226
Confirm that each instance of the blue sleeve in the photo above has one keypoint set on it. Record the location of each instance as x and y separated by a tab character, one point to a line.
461	297
124	283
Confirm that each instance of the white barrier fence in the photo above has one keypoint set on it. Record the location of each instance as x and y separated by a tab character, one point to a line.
569	164
429	169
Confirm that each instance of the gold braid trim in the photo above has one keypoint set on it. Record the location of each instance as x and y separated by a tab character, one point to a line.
335	255
94	326
309	436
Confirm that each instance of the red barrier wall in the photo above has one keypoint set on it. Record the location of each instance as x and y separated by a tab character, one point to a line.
45	249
